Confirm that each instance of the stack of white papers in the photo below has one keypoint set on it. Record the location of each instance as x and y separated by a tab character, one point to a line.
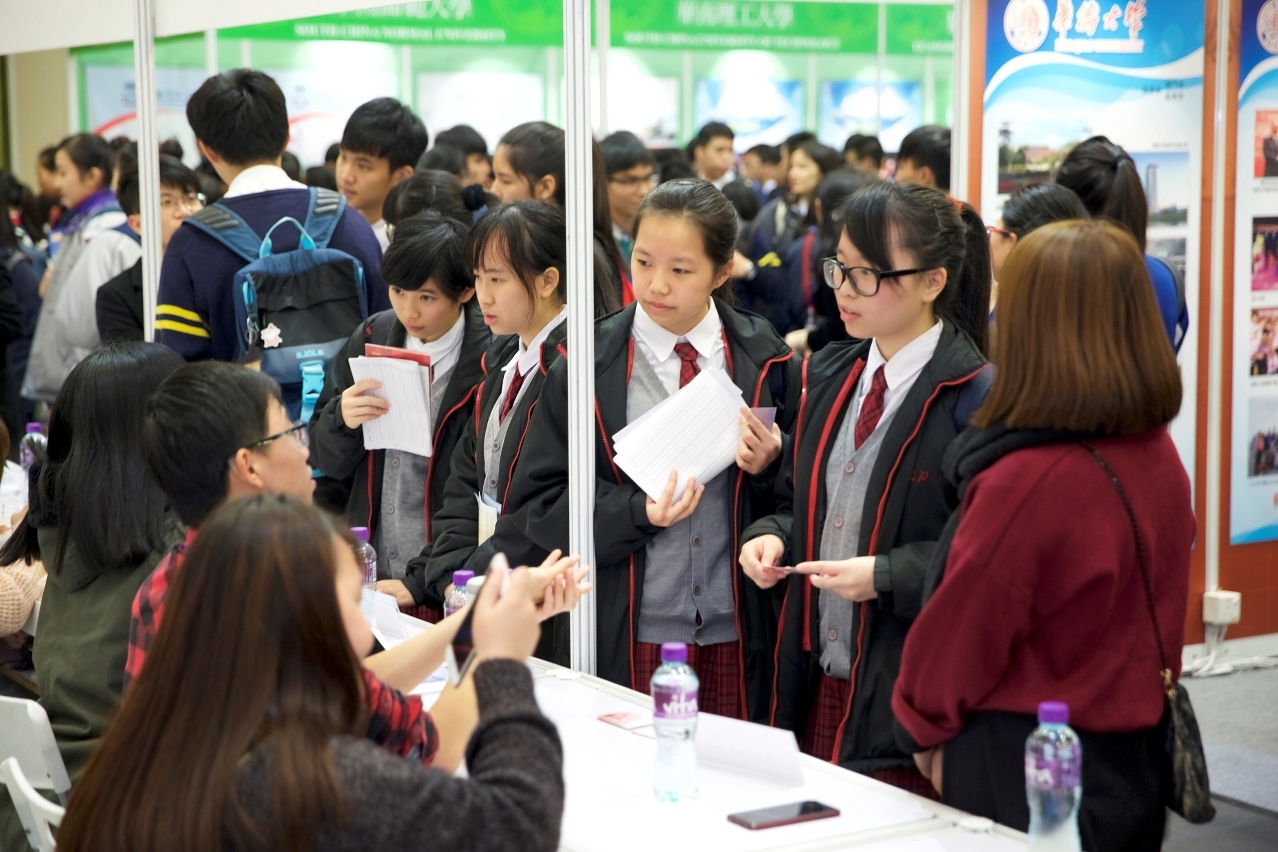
406	384
694	432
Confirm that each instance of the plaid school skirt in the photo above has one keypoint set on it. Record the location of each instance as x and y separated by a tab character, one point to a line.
718	667
821	734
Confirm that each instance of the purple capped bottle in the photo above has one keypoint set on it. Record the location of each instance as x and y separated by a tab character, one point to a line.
674	718
1054	781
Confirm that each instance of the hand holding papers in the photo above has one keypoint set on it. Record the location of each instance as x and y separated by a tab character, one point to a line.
694	432
406	386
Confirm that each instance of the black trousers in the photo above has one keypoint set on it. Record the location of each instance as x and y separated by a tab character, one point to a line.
1123	787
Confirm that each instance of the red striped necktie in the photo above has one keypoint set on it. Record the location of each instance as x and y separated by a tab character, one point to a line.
871	409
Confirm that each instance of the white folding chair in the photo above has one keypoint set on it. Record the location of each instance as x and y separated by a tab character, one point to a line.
25	734
39	816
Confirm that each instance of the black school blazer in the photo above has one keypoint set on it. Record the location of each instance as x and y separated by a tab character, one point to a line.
457	522
906	507
766	371
340	453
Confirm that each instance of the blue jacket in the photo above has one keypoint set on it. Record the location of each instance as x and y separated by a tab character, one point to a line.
1171	300
196	312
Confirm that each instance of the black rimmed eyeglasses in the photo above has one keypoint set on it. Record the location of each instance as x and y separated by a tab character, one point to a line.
298	431
865	281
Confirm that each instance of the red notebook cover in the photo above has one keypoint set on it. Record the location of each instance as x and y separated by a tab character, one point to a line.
373	350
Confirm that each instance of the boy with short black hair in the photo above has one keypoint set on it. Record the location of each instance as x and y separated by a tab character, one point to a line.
381	145
863	153
479	166
761	167
118	306
711	153
632	174
924	157
240	120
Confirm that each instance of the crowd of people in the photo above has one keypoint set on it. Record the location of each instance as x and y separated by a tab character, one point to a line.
885	570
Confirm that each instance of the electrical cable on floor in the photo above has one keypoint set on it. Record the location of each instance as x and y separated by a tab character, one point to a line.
1211	665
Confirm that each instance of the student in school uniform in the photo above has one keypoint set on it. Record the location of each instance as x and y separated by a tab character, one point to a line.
863	495
665	567
529	163
519	256
395	493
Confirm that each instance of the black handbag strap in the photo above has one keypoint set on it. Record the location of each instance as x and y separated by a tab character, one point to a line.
1168	684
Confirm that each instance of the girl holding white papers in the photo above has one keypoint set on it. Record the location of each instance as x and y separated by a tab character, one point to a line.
864	500
666	568
396	493
519	256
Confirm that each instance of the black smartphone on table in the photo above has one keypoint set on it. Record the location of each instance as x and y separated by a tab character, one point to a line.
783	815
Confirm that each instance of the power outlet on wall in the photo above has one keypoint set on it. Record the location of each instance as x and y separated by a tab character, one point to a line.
1222	607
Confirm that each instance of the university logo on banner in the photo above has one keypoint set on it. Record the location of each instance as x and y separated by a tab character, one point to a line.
1267	26
1025	24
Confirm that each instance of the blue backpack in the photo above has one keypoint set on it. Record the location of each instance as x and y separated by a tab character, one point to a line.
297	307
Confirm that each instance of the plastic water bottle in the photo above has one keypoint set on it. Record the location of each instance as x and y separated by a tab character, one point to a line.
1053	781
33	447
473	585
674	717
365	556
457	597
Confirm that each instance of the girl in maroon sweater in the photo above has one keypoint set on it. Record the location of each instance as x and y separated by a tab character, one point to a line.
1041	596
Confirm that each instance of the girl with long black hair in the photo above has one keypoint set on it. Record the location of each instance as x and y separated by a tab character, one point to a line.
863	498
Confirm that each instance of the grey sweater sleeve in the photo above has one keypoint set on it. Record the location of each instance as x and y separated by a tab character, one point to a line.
513	800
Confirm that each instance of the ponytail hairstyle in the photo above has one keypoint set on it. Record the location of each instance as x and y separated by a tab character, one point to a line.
88	151
536	149
430	190
708	210
939	232
1106	180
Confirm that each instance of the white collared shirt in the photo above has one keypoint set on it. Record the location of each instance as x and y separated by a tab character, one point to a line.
263	178
443	352
901	372
728	177
528	357
656	344
379	231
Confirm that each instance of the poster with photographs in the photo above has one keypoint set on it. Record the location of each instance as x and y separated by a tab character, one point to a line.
1253	498
1058	72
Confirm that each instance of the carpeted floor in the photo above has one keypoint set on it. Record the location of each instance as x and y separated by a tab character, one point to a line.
1238	717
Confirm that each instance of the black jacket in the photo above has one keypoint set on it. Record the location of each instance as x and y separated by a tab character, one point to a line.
765	370
906	507
456	523
118	306
339	452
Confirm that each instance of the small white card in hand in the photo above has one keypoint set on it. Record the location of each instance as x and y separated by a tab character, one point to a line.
489	512
767	416
406	385
695	432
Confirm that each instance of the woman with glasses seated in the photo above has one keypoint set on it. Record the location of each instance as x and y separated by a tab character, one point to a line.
862	497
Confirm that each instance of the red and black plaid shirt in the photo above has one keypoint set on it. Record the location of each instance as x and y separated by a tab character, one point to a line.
397	722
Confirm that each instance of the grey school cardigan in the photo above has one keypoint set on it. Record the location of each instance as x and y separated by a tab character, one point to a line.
513	800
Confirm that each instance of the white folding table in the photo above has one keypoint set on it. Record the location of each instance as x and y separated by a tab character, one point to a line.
610	807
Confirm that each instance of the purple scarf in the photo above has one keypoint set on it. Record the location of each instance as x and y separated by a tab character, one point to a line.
74	220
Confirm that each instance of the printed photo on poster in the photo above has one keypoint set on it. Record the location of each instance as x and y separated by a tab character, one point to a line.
760	111
1262	425
1264	254
849	106
1266	137
1264	342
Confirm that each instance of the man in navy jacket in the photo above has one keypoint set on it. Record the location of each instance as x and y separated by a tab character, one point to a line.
240	121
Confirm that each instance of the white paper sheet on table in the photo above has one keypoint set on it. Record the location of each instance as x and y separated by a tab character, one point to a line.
406	384
695	432
489	512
